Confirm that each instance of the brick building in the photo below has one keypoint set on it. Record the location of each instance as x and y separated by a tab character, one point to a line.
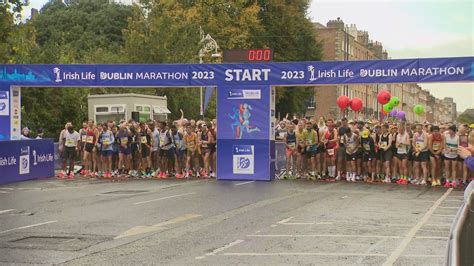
343	42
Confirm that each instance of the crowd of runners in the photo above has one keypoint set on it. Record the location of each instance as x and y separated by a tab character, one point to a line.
370	151
374	151
151	149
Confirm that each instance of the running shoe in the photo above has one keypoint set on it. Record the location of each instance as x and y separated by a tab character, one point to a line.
71	175
83	172
454	184
447	184
400	181
179	176
61	174
423	183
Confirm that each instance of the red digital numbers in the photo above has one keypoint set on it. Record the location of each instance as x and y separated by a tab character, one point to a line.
259	55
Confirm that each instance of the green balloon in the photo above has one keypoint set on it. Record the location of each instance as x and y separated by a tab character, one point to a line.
395	101
388	108
418	109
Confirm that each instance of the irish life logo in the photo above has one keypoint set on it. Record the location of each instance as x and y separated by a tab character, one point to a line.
243	159
24	160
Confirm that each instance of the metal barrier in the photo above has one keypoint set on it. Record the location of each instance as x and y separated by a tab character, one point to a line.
461	237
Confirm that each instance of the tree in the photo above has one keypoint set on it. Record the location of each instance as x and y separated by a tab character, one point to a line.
9	12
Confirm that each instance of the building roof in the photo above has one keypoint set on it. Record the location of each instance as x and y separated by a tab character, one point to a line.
125	95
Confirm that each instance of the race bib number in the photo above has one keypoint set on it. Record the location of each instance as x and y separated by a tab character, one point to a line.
383	145
84	138
90	139
69	142
330	152
401	149
106	142
418	145
436	146
124	140
292	145
144	139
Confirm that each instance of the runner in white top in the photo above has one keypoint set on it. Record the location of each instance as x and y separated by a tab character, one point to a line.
402	144
420	154
71	146
450	154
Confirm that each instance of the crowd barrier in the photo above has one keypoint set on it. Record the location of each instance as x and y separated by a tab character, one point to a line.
26	159
461	237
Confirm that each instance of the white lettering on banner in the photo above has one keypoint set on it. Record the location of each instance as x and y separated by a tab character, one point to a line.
341	73
41	158
247	74
78	76
162	75
430	71
378	73
4	161
116	76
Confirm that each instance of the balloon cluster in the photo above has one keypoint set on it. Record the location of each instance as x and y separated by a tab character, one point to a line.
355	104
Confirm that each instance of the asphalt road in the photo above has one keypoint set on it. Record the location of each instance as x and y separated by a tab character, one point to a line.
208	222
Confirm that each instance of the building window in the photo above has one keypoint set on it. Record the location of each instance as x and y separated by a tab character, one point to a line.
106	113
144	112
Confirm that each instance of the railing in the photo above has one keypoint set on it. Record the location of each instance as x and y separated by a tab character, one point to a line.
461	237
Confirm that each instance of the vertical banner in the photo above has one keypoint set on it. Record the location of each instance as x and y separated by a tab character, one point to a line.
15	116
5	113
243	138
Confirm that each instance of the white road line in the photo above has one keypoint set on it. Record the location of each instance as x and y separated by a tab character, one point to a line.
424	256
328	235
5	211
217	250
443	207
444	215
306	254
4	192
285	220
432	237
319	223
6	188
439	224
169	197
406	240
27	226
243	183
451	200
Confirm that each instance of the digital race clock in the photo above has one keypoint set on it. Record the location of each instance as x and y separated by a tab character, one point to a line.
248	55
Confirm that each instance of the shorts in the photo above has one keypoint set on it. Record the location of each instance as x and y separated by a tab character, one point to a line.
290	152
411	156
145	151
107	153
69	153
433	155
331	152
422	157
126	151
321	149
368	157
301	150
212	148
312	151
386	156
180	153
450	159
89	147
402	156
170	153
190	152
205	150
353	157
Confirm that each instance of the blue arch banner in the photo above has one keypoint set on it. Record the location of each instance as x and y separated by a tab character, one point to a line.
289	73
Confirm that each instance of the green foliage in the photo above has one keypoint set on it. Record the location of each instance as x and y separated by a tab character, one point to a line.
466	118
84	31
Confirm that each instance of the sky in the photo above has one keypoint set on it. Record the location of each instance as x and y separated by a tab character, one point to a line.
406	28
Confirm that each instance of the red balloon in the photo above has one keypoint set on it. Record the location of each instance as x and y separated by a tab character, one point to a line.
356	104
343	102
384	112
383	97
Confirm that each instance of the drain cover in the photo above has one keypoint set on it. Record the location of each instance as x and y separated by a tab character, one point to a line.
122	192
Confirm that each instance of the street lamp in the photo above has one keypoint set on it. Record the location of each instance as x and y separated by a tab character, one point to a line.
208	45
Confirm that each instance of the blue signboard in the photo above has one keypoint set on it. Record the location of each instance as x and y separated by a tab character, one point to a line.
4	112
243	138
289	73
26	159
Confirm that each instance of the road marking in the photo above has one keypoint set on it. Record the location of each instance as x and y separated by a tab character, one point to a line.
5	211
217	250
27	226
443	207
243	183
285	220
328	235
137	230
444	215
431	237
6	188
451	200
4	192
169	197
439	224
406	240
424	256
306	254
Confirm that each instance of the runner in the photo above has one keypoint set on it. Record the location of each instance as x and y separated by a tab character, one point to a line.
421	155
190	141
450	154
402	142
125	150
351	143
310	137
206	139
331	147
90	149
436	146
106	140
341	151
368	155
71	147
463	142
179	150
165	152
291	144
146	138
